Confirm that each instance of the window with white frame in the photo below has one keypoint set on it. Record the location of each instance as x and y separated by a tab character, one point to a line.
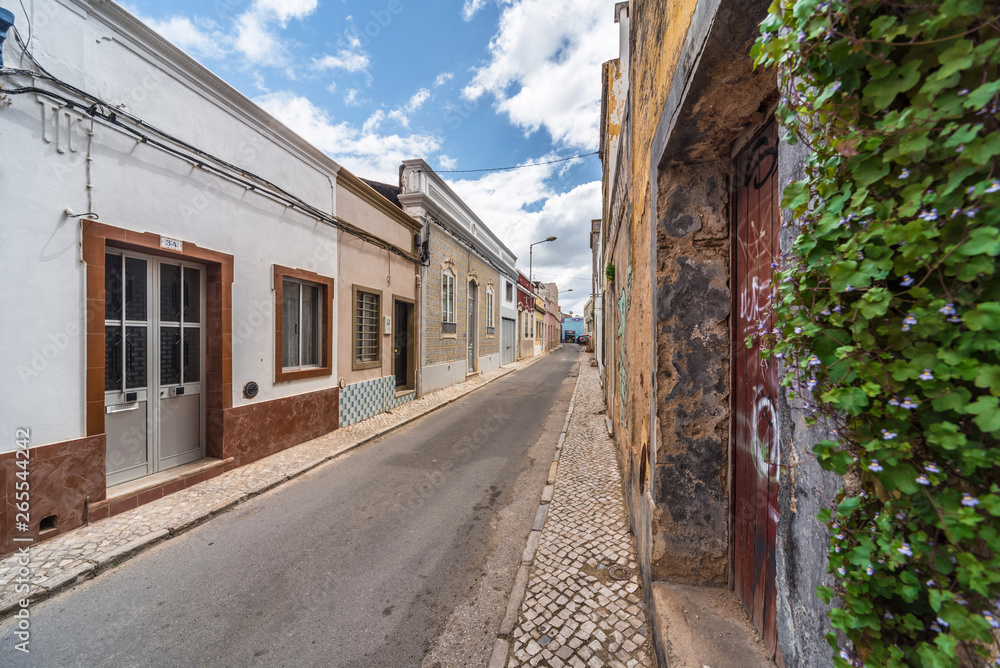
302	323
490	318
448	297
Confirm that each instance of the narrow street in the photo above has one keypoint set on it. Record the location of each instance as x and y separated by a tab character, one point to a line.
403	549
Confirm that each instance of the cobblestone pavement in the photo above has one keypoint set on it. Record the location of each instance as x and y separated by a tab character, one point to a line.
580	608
61	562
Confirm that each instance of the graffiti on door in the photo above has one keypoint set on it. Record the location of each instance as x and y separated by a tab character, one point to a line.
755	384
624	305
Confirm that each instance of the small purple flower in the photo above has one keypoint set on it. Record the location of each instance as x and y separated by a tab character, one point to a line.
905	550
841	571
909	321
798	330
955	320
959	149
802	37
905	174
935	627
927	375
900	516
931	467
894	401
875	467
932	583
888	435
908	404
835	86
929	216
994	186
948	309
844	655
971	213
955	212
962	92
970	190
861	256
969	501
991	619
870	570
825	311
939	620
907	281
774	265
923	480
811	384
814	361
836	309
848	288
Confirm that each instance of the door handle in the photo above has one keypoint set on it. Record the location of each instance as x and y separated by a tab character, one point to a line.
124	408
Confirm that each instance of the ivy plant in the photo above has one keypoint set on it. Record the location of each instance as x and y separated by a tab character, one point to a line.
888	307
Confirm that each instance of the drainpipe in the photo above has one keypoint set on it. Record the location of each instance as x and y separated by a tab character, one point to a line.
6	22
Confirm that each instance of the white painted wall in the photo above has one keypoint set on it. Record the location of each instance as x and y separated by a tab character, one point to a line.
95	46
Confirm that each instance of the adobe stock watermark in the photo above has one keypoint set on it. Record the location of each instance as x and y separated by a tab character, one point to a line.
22	524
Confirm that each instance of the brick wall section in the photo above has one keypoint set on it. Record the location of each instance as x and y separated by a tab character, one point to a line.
443	349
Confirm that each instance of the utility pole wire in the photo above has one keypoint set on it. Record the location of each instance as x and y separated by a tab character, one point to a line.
504	169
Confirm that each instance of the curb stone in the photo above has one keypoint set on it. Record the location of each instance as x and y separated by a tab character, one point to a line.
501	648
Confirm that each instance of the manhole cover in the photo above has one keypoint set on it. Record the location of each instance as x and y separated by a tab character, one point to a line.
619	573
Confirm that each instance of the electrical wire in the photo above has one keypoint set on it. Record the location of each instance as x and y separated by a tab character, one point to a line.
111	115
505	169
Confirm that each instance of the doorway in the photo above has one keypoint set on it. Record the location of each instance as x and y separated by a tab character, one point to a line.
754	498
402	343
154	364
473	329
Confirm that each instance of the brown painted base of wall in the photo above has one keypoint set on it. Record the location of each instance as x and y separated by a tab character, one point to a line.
262	429
63	479
68	479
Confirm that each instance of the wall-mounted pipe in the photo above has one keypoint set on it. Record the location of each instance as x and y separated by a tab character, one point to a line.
6	21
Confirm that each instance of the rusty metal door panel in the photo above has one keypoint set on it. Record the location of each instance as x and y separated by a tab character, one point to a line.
754	512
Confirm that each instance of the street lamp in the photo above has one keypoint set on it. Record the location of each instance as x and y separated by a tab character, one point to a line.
531	248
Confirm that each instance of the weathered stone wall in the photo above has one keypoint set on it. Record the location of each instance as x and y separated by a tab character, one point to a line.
690	525
802	541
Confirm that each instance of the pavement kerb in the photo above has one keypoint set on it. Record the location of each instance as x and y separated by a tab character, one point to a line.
91	568
501	647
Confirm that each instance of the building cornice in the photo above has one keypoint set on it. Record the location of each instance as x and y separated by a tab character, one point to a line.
157	49
369	195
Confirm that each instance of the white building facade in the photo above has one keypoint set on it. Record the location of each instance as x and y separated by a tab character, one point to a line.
169	252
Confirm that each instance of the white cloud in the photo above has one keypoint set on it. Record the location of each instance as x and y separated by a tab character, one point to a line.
256	40
502	200
550	55
256	32
204	41
446	162
363	151
284	10
351	98
417	100
443	78
471	8
350	61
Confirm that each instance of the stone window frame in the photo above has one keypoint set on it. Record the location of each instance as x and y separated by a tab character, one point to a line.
449	328
491	321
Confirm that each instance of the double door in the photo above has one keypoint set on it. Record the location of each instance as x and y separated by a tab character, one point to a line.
154	364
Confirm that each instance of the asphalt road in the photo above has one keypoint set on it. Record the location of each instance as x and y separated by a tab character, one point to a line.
400	552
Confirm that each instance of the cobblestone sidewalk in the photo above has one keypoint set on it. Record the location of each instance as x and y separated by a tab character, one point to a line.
582	600
80	554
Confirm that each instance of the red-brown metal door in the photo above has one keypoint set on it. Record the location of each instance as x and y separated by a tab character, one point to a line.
754	497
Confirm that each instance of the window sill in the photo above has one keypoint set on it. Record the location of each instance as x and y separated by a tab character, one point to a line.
361	366
282	376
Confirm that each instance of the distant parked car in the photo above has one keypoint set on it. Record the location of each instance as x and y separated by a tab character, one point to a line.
583	339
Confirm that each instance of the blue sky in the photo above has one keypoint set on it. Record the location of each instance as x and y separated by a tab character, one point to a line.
464	84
